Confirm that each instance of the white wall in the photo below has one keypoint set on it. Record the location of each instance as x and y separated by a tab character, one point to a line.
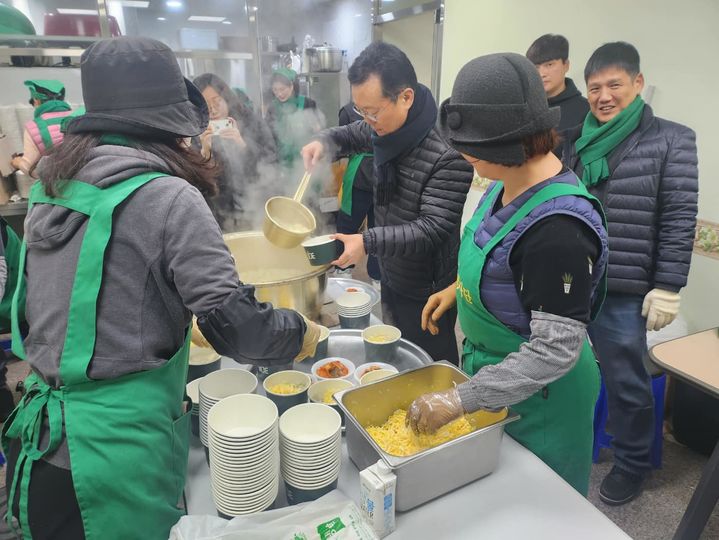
678	43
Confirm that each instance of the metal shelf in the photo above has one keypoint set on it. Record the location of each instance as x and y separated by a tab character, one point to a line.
77	52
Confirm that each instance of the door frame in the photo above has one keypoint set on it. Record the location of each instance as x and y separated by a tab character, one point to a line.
437	6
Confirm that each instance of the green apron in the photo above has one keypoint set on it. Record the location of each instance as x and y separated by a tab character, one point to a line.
12	260
288	149
348	181
128	436
43	124
557	422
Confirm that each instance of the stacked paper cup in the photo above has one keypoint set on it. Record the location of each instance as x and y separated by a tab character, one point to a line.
310	450
354	309
244	454
219	385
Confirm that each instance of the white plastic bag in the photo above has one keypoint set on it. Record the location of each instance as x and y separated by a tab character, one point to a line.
332	516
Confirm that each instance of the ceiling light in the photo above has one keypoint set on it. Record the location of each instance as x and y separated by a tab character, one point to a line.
161	19
142	4
73	11
226	22
173	4
205	18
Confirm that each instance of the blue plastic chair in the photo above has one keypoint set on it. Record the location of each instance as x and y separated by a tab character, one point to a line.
602	439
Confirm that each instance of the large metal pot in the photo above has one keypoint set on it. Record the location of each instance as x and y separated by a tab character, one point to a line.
325	58
283	277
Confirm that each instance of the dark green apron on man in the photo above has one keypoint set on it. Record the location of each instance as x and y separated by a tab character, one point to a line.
128	436
348	181
557	422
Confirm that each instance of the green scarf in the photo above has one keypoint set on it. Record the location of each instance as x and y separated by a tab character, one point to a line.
54	105
598	140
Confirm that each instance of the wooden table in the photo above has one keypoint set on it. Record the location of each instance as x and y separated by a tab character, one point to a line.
695	360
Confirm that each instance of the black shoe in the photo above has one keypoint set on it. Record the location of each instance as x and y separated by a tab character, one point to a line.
620	486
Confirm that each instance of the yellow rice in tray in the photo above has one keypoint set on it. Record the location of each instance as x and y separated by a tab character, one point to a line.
399	440
285	388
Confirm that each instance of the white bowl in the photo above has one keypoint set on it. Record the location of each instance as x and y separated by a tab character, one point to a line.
298	484
311	450
350	300
319	390
192	389
289	376
347	363
376	375
242	415
227	382
362	369
310	423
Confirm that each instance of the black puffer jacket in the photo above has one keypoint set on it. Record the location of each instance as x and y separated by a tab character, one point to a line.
416	237
651	204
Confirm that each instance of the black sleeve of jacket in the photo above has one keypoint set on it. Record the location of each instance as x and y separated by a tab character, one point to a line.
557	249
253	332
354	138
441	206
677	211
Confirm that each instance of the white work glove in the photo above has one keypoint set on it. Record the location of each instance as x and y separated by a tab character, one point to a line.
660	308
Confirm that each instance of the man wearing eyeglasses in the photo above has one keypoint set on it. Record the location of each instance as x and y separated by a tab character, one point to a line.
420	185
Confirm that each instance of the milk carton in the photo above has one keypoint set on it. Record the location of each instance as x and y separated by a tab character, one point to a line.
377	491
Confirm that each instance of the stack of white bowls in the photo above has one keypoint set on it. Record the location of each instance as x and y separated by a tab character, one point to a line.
219	385
354	309
244	454
310	450
193	392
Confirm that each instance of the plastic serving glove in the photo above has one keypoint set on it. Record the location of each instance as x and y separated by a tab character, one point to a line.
660	308
430	412
197	338
309	343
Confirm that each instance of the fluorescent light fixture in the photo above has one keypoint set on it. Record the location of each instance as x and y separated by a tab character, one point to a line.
173	3
226	22
205	18
73	11
142	4
358	14
161	19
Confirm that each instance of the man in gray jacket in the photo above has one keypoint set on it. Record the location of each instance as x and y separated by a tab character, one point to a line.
420	186
644	170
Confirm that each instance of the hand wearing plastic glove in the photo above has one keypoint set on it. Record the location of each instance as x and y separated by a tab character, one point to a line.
430	412
197	338
309	343
660	308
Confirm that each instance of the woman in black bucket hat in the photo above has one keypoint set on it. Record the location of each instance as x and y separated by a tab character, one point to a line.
530	275
118	240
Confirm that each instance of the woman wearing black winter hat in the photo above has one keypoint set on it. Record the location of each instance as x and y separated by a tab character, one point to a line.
531	271
118	243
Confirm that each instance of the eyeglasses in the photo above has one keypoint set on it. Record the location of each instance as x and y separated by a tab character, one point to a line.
371	117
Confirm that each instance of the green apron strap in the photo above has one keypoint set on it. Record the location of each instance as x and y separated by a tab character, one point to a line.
42	127
12	260
547	193
348	180
81	325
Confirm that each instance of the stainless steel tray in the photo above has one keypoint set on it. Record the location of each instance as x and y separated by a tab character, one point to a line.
349	344
430	473
337	286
